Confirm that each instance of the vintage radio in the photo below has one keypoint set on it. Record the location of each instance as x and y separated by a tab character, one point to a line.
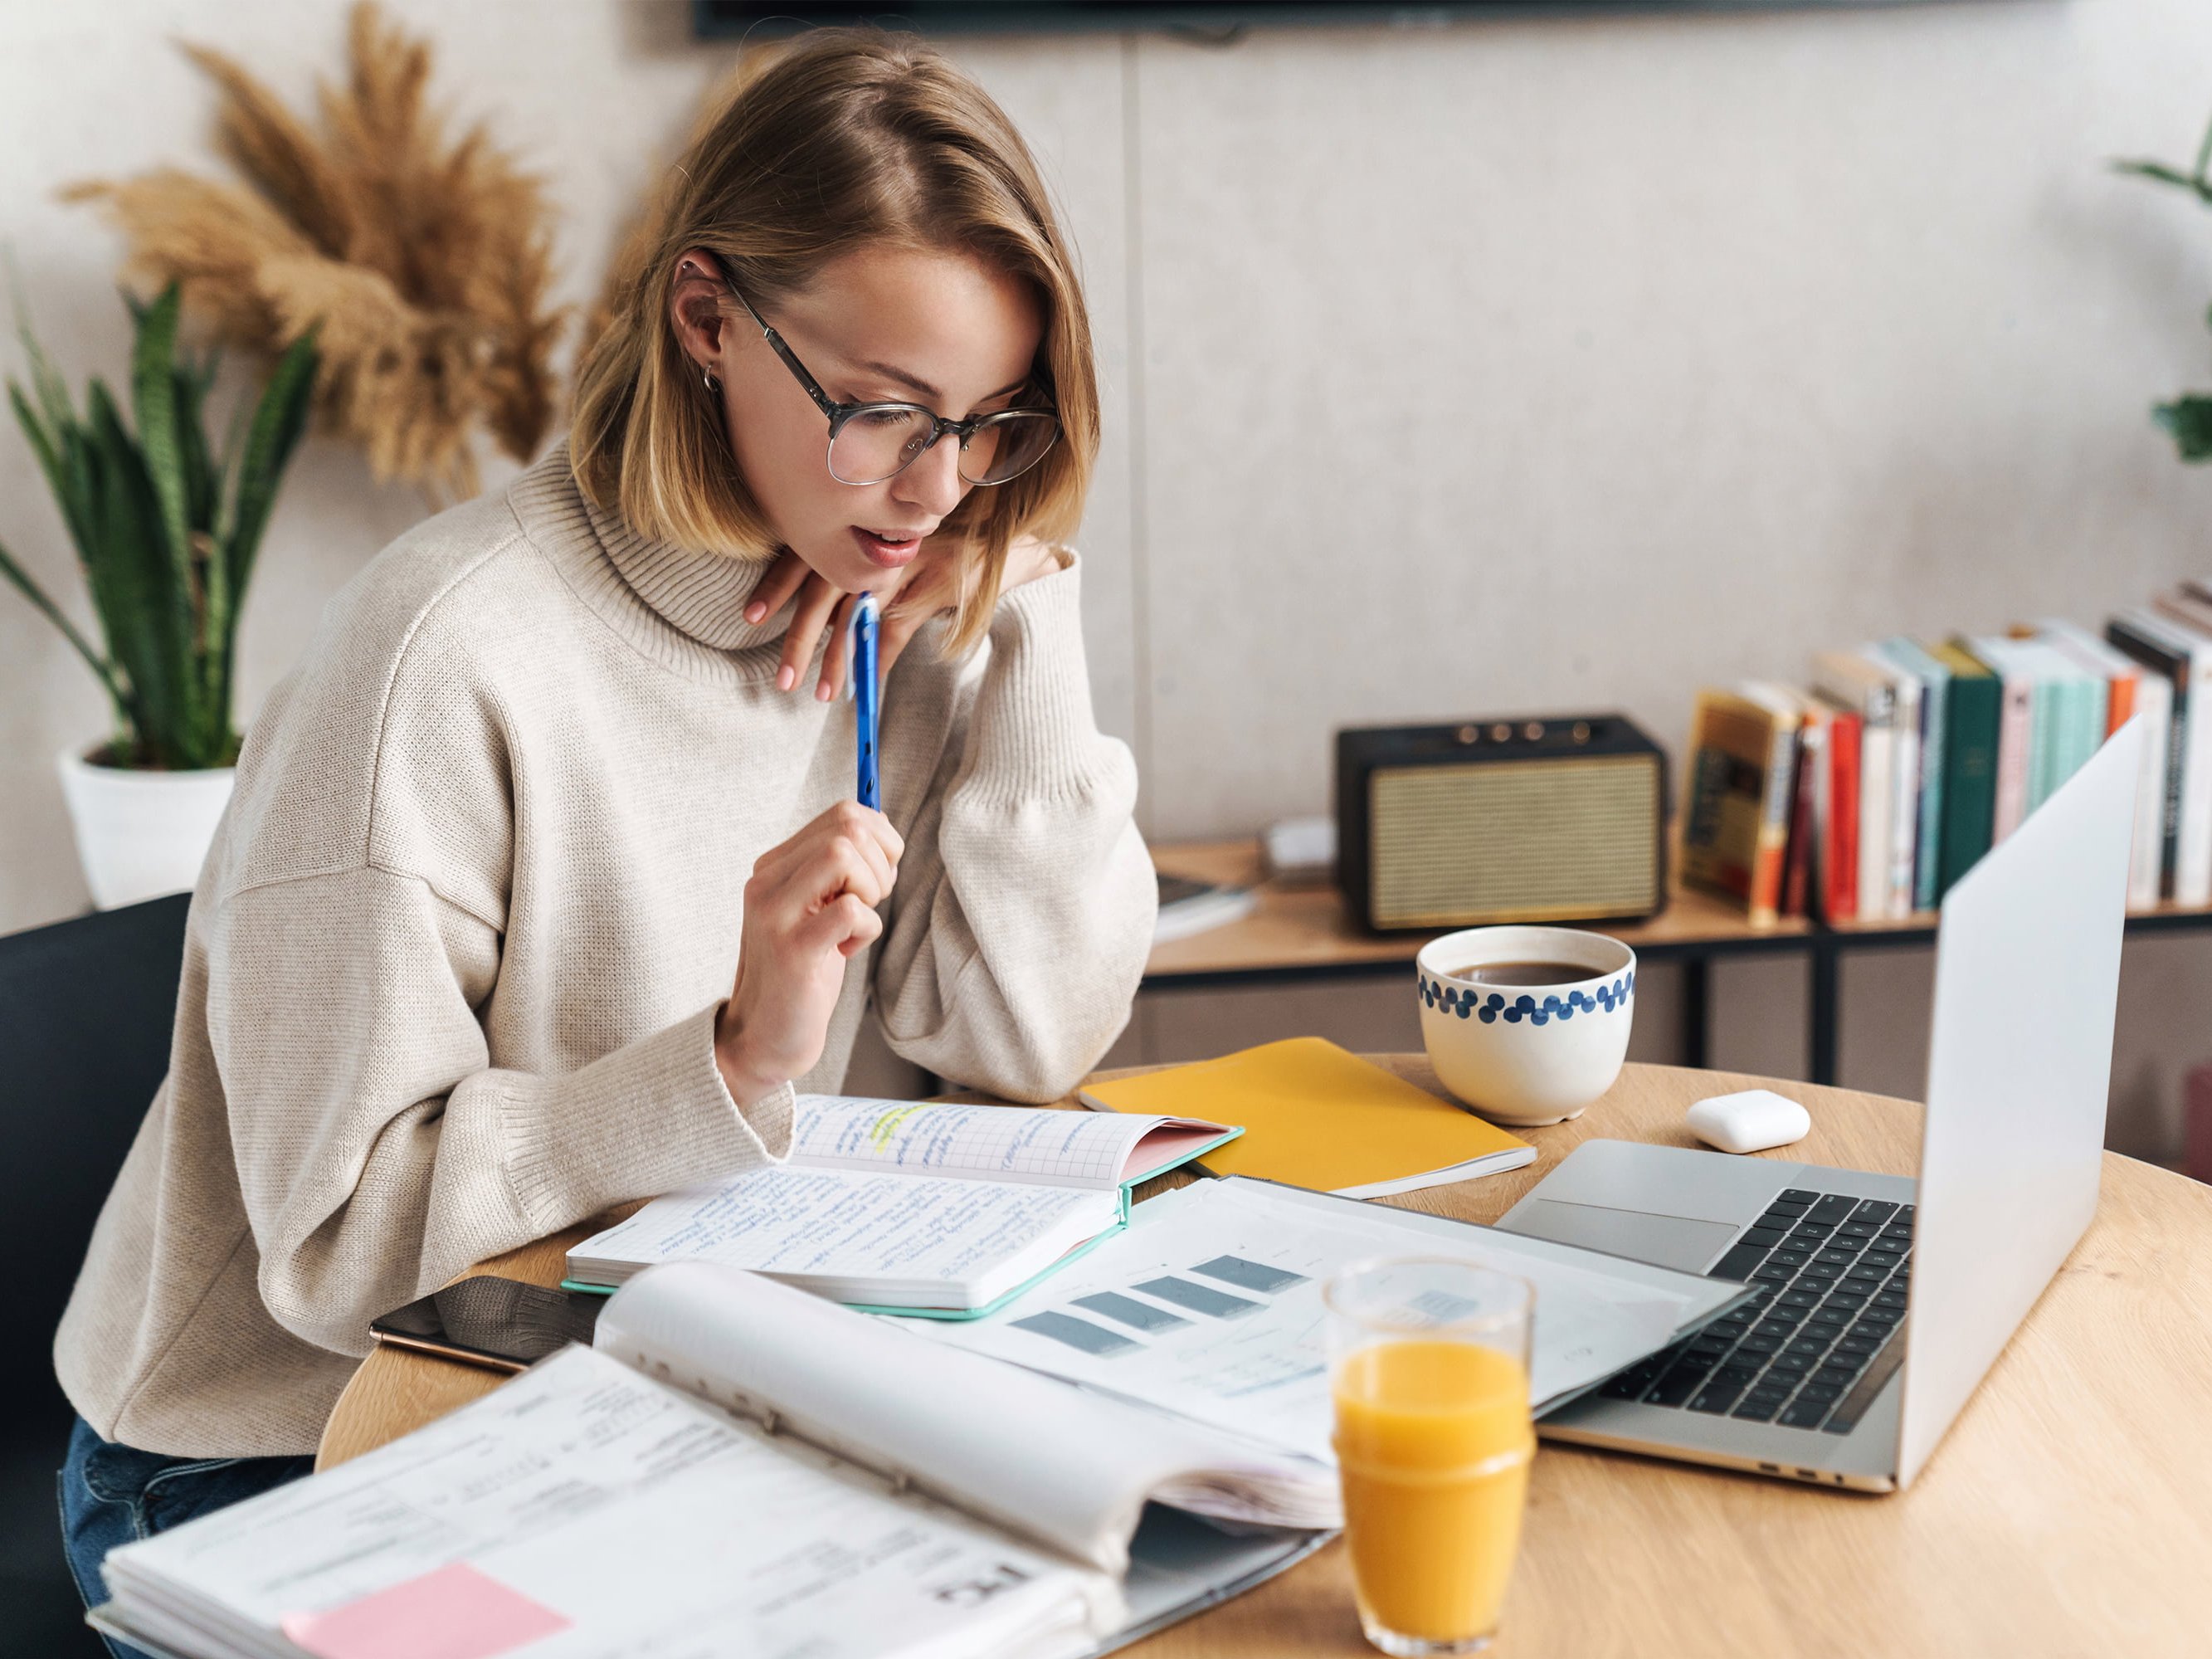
1501	821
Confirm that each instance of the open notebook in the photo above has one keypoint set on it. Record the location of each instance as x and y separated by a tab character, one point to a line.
901	1206
737	1469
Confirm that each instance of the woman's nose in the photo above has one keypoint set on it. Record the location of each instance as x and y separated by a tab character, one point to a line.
933	482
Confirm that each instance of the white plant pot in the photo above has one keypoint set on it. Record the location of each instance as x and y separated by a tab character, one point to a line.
141	834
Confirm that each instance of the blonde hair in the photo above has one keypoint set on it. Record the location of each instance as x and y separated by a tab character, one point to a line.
893	144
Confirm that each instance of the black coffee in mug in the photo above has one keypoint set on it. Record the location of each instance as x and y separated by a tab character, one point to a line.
1525	972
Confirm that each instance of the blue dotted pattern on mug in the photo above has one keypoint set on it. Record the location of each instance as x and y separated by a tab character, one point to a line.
1491	1006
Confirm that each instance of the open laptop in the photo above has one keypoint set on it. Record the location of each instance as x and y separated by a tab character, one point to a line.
1884	1301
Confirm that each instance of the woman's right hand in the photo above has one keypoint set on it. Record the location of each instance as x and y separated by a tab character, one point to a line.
810	906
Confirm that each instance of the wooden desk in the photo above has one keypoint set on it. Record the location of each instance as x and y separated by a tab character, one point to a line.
2068	1513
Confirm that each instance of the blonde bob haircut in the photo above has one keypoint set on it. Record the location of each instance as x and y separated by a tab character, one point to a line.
850	138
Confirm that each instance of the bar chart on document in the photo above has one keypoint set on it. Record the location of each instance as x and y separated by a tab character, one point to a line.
1209	1305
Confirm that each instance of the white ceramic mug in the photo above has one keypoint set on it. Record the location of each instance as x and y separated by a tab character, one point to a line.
1526	1054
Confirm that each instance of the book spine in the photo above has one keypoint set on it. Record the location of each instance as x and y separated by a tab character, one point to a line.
2154	706
1774	798
2193	873
1840	859
2094	724
2014	730
1704	815
1969	773
2173	667
1877	763
1904	799
2043	724
2120	698
1797	858
1928	850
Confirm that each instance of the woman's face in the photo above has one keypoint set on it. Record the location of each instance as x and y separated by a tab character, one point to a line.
880	324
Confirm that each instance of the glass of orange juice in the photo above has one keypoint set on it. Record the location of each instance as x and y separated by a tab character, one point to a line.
1429	1364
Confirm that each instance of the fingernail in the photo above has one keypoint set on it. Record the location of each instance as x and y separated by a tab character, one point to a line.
786	678
756	611
822	692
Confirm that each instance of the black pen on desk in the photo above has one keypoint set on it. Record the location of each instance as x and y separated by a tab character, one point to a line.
867	704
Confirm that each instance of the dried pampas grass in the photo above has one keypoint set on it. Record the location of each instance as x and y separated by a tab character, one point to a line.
426	264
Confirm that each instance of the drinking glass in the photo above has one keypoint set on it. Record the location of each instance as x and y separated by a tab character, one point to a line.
1429	1365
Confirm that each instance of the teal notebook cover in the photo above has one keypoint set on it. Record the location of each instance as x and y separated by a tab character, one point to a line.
983	1312
1971	706
1934	698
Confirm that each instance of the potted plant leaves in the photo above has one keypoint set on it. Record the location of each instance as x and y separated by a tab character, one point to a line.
2188	417
166	525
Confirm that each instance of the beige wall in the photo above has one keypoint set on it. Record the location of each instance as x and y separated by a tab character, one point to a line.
1451	369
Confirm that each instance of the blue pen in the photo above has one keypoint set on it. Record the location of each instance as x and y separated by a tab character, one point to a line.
867	704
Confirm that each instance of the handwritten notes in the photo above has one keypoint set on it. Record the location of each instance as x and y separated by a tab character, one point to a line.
999	1143
845	1225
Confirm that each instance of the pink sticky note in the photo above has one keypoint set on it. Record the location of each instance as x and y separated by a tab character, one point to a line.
455	1612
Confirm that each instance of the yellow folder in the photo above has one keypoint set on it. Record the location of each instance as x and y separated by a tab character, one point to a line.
1317	1117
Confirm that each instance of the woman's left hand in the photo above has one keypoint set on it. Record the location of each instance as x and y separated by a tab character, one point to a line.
927	587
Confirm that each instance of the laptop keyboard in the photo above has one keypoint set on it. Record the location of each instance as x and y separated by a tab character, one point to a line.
1820	1335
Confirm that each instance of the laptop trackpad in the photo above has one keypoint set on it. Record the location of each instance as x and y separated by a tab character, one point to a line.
1665	1241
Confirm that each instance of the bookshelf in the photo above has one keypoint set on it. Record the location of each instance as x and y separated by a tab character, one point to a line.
1302	934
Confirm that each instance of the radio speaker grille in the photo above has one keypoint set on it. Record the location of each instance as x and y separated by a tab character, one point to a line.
1515	841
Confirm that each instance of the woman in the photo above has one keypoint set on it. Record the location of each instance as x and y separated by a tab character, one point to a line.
459	971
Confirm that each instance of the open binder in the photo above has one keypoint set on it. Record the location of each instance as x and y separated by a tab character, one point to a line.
739	1468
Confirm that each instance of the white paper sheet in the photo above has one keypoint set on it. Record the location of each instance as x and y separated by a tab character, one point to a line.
1259	1367
1067	1469
856	1228
654	1523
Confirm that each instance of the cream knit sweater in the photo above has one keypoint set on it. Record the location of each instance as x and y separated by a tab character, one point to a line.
452	969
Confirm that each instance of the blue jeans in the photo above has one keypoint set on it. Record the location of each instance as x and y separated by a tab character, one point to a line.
113	1494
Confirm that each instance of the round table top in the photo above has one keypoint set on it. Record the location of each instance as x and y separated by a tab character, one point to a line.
2067	1511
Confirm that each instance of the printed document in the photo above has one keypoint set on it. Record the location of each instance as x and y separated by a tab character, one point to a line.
739	1470
1210	1306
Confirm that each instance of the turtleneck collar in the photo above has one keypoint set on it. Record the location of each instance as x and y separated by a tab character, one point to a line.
684	609
701	594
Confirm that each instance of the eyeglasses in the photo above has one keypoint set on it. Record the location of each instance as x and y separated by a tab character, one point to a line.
871	443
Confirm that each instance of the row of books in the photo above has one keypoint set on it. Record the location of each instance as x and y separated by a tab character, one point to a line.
1866	795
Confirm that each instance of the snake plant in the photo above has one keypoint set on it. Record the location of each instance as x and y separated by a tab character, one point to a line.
166	528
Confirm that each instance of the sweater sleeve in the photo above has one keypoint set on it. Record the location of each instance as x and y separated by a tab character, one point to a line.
1024	911
378	1150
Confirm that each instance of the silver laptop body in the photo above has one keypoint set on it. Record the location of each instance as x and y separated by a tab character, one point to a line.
2018	1069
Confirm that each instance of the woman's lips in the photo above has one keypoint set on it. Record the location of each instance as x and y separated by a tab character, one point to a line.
890	554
